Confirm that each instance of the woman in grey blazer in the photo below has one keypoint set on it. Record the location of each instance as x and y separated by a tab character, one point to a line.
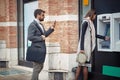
37	34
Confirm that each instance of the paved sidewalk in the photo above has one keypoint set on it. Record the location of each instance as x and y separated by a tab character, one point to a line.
14	74
16	77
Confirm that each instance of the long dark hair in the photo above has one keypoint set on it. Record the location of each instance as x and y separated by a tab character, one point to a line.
90	14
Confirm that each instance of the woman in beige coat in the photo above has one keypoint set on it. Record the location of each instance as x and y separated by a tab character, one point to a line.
87	42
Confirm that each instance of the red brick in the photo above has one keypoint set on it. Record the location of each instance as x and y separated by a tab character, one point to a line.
66	33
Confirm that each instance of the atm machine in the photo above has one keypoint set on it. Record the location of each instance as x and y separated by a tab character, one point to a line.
104	27
109	25
116	31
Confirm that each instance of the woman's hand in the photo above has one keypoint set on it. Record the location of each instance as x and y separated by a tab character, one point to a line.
82	51
107	38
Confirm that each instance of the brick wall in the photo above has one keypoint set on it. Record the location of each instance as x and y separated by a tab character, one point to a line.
66	32
8	24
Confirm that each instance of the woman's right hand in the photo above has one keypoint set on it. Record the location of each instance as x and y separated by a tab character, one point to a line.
82	51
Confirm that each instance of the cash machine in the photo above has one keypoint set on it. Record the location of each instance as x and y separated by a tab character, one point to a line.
109	25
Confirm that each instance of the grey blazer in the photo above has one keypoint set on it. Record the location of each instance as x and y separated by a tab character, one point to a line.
37	51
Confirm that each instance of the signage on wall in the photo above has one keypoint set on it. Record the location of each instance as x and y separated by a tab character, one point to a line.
85	2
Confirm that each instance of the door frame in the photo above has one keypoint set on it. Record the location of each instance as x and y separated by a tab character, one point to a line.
21	33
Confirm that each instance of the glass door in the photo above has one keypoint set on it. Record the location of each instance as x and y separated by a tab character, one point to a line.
28	18
25	15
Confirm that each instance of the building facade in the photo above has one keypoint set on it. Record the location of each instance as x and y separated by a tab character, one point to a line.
15	17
